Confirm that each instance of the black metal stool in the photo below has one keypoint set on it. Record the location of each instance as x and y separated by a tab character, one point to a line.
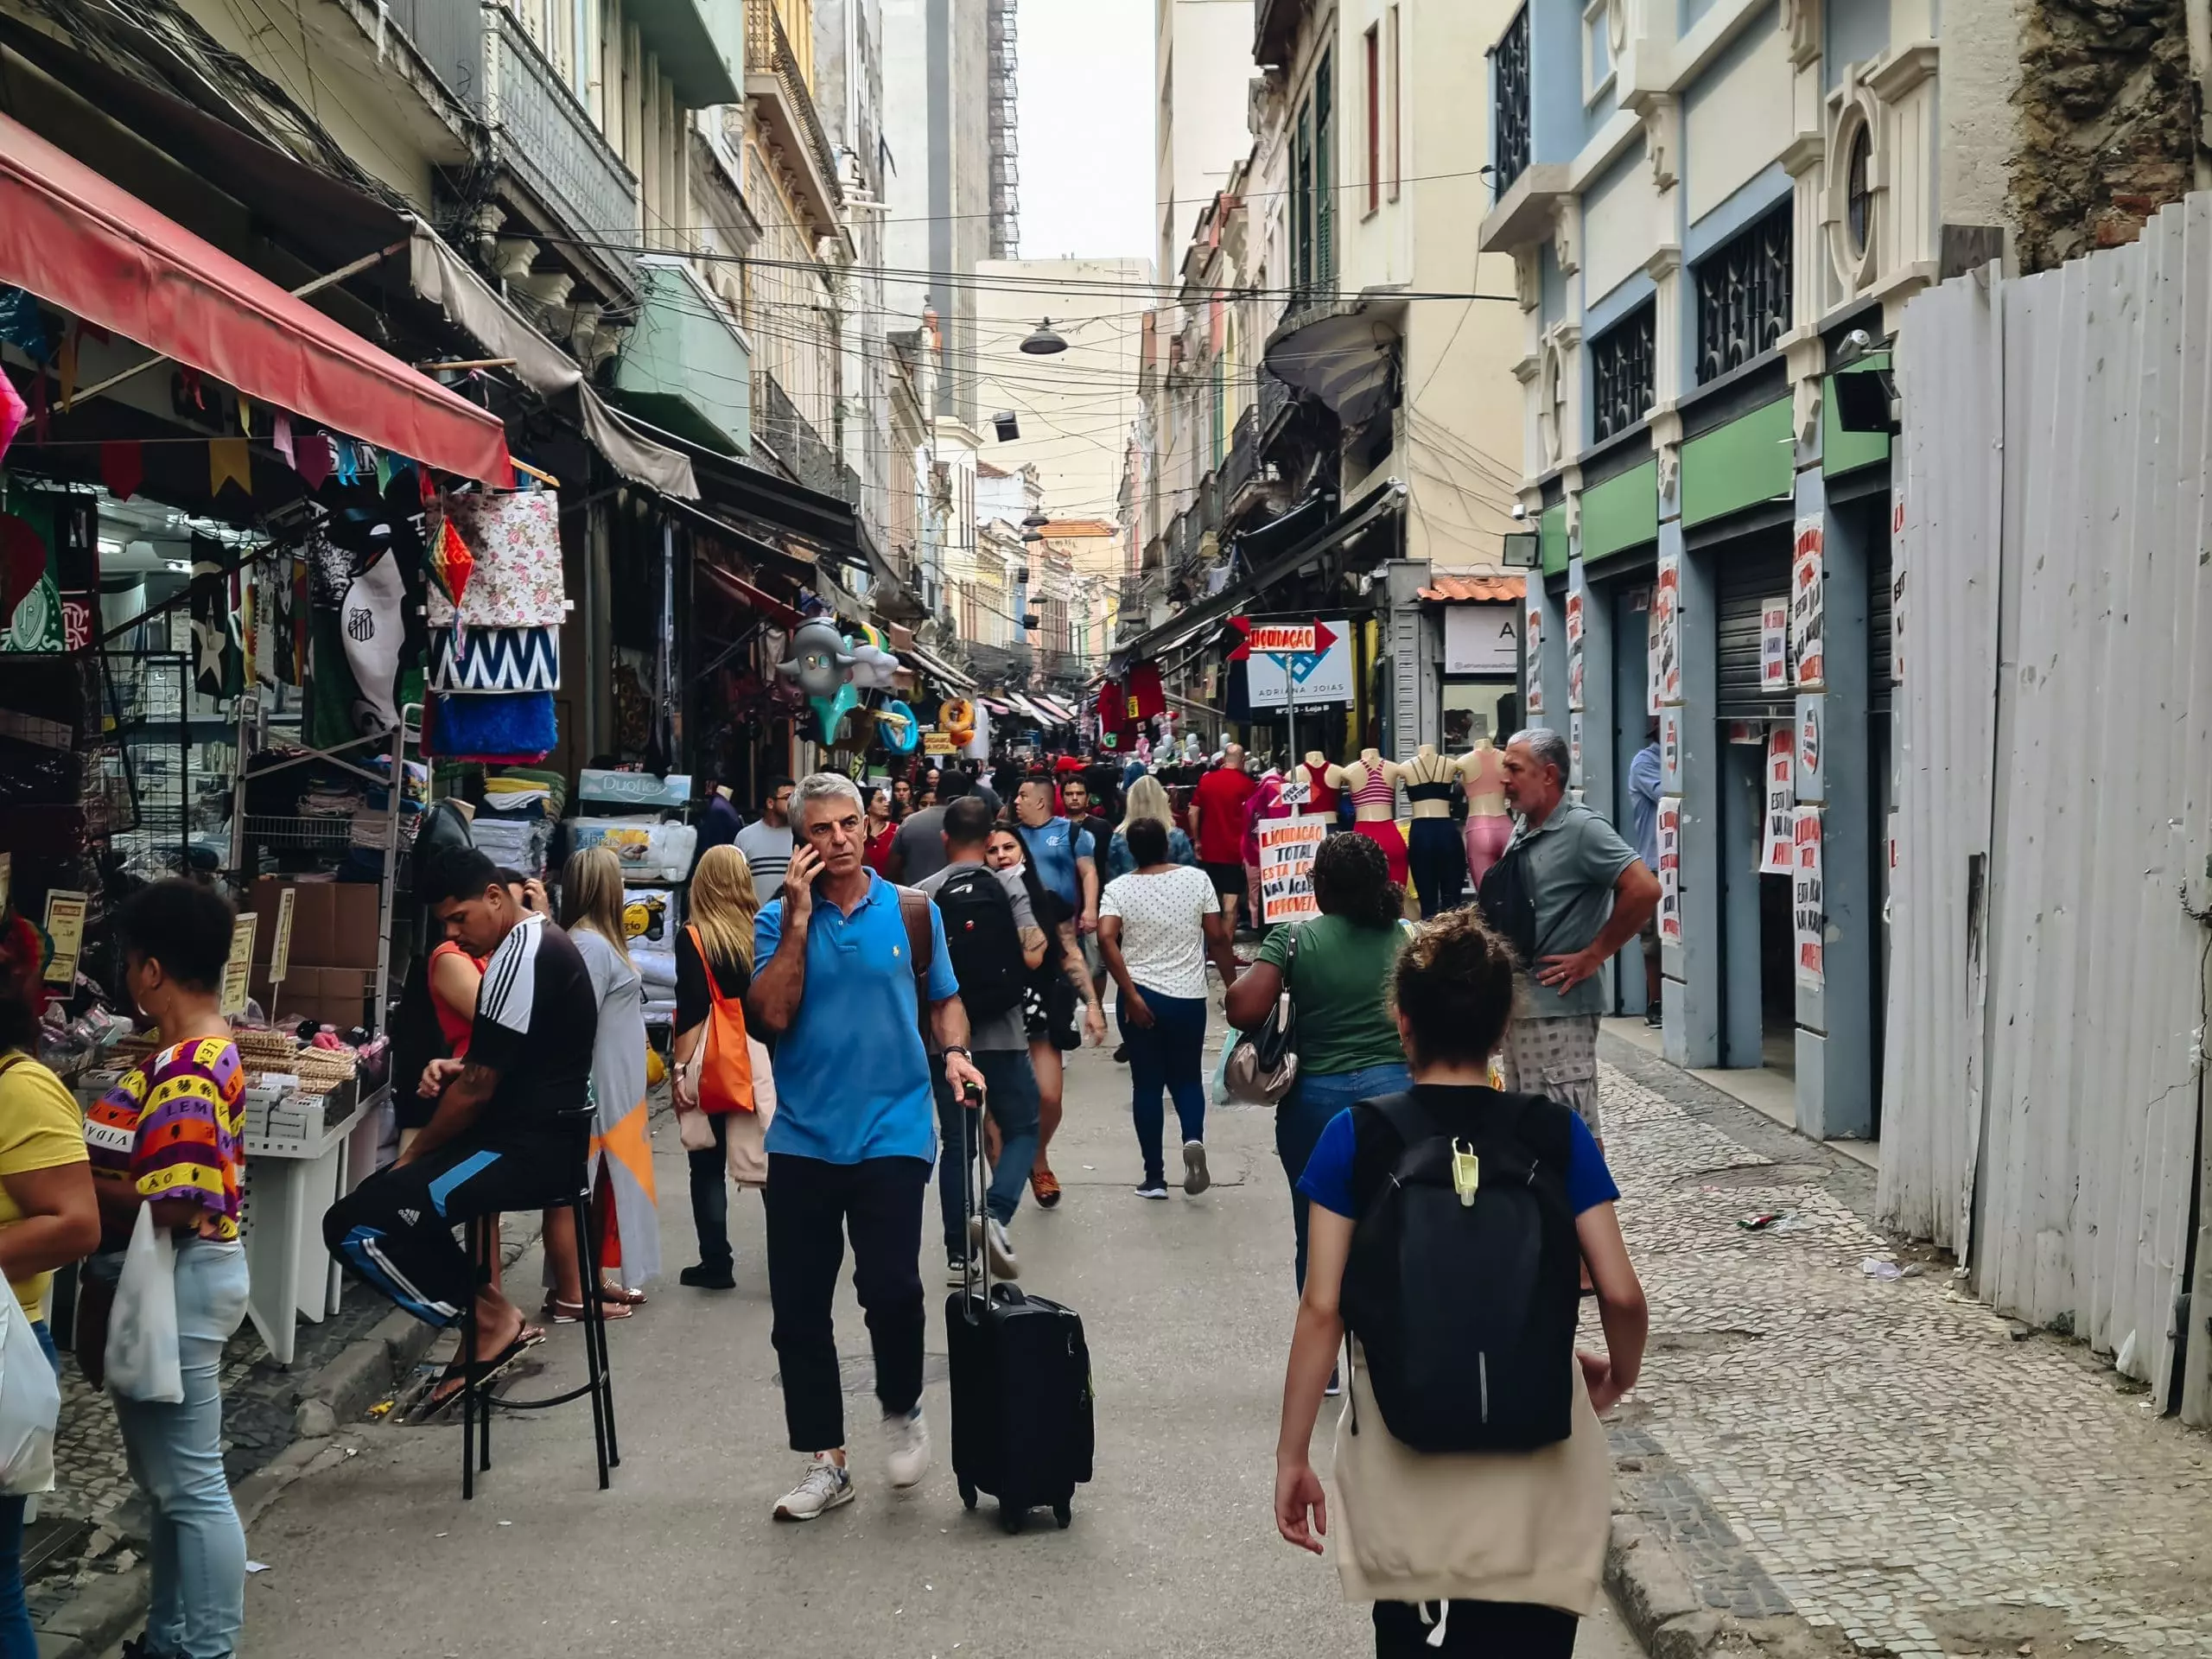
477	1400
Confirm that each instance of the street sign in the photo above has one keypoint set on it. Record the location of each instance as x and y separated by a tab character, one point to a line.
1281	639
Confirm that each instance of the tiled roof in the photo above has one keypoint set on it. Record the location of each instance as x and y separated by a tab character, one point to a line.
1452	589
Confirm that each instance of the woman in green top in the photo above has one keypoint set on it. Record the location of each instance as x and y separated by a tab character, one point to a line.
1347	1040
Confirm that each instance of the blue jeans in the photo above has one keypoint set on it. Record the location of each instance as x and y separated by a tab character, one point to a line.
16	1640
197	1554
1169	1056
1010	1096
1306	1111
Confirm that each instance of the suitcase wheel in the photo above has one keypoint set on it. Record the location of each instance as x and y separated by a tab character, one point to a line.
968	1493
1064	1513
1011	1518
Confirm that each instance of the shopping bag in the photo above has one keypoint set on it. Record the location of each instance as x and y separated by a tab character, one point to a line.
30	1406
142	1360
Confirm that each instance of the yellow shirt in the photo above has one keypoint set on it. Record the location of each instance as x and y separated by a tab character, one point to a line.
41	1128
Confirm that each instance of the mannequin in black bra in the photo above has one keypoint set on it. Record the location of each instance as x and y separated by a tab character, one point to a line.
1433	849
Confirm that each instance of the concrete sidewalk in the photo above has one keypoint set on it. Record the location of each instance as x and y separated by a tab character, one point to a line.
1172	1552
1884	1457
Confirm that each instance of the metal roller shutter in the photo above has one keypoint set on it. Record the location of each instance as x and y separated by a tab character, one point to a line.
1750	576
1879	659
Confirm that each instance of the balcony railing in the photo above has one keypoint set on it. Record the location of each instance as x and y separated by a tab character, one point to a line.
1510	150
1242	464
768	52
778	422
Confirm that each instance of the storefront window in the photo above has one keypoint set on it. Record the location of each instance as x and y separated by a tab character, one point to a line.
1475	708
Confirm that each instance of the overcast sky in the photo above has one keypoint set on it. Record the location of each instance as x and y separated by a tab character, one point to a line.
1086	129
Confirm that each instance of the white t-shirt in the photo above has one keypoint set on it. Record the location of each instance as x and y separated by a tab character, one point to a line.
1163	927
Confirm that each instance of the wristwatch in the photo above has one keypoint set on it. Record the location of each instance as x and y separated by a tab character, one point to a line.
959	1049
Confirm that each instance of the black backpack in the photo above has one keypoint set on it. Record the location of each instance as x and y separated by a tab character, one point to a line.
1464	1310
985	945
1508	904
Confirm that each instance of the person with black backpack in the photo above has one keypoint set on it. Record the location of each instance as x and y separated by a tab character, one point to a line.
1446	1227
992	935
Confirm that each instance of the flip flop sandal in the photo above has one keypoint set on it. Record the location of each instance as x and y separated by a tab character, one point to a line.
557	1312
446	1389
621	1294
1047	1186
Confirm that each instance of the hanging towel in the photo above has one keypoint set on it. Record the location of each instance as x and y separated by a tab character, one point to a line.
495	660
490	724
515	544
369	615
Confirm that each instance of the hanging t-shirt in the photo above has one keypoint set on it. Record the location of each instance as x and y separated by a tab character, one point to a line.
1147	696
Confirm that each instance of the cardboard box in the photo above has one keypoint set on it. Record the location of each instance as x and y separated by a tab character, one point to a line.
334	925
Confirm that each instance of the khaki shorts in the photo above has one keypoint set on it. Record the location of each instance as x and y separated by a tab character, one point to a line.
1557	1059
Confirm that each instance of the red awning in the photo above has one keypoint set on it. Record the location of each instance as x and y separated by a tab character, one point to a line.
75	239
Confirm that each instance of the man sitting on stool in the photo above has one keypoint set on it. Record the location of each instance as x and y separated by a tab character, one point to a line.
509	1132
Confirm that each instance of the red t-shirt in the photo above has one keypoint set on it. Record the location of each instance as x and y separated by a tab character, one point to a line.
1220	798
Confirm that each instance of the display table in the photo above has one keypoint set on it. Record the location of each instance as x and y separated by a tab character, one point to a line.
289	1186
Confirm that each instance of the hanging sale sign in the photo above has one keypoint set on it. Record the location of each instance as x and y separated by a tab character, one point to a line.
1777	853
1807	606
1663	629
1670	744
1774	644
1805	902
1670	868
1897	586
1532	694
1287	850
1574	651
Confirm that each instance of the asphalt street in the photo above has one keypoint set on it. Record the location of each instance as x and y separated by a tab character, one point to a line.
1172	1550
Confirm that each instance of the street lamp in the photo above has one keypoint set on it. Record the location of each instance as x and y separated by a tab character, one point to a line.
1043	342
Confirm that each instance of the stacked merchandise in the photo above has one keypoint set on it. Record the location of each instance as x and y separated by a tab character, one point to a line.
373	824
656	965
516	819
495	607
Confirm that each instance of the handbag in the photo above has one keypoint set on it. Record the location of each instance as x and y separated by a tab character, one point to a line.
143	1361
745	1134
1263	1065
721	1066
1508	905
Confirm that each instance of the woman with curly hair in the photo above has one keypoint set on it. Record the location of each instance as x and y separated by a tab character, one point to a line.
1337	968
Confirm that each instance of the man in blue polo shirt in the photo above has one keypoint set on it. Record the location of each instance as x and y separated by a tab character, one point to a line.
1063	854
838	966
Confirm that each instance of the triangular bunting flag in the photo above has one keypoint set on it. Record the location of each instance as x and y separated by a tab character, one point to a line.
245	416
281	439
385	470
314	462
122	469
12	412
229	460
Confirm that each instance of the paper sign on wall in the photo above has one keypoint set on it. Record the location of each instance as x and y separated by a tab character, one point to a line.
280	950
1575	644
1806	607
1807	905
1778	851
1287	852
1533	692
1774	644
1574	747
64	927
1664	628
1670	866
238	969
1574	621
1670	744
1811	788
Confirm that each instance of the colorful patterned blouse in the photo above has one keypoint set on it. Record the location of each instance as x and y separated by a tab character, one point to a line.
172	1126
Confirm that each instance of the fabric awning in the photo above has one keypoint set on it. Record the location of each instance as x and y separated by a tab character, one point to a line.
998	706
443	278
915	657
745	594
75	239
1058	712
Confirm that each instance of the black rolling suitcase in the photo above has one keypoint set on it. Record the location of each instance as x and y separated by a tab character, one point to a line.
1022	1398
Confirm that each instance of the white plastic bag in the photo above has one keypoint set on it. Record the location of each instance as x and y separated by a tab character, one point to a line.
30	1405
142	1358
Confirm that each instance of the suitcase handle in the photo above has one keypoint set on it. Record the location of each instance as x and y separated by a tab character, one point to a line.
975	1181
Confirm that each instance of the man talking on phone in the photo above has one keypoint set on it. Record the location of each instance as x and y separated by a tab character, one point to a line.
843	962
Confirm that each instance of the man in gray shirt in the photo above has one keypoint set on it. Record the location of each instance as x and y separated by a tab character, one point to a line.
1000	1041
918	848
1591	896
766	842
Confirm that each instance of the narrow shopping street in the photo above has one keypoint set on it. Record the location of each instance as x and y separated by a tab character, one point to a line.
1187	1306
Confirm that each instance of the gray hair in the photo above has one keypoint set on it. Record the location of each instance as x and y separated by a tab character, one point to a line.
826	787
1547	746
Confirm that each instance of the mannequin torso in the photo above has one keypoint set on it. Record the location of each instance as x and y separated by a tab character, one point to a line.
1481	772
1319	777
1429	780
1372	783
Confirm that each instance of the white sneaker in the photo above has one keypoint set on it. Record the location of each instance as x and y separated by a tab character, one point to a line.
1195	1178
990	1233
907	1447
827	1485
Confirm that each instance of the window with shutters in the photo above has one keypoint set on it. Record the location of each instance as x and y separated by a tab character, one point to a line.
1324	179
1620	374
1742	296
1302	206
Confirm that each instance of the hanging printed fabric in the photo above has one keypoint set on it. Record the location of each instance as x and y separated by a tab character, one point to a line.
218	664
517	727
77	567
375	628
30	602
514	541
495	660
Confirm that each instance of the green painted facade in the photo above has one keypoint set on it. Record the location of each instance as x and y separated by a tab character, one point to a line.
1846	452
1620	514
683	369
1739	465
1551	530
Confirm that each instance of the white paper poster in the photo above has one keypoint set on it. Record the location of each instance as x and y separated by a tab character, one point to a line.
1670	744
1574	747
1533	692
1774	644
1665	627
1574	641
1806	607
1287	849
1806	903
1778	836
1670	866
1810	787
1574	621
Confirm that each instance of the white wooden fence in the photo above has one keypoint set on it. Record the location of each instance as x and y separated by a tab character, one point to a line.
2043	1096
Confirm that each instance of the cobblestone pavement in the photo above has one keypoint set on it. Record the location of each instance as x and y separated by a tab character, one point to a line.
1893	1459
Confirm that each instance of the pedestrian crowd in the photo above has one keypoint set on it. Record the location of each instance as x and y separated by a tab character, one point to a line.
870	985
